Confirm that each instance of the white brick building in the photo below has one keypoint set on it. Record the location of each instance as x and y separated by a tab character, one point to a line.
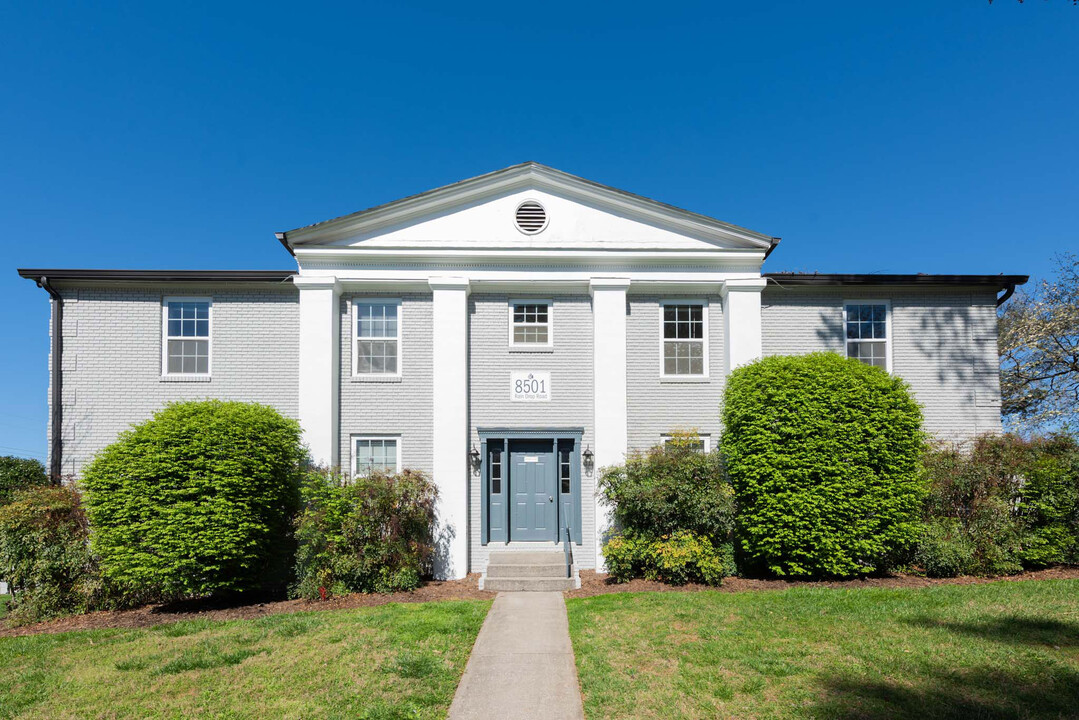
508	334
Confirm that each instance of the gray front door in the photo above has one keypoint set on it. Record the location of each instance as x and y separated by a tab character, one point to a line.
533	490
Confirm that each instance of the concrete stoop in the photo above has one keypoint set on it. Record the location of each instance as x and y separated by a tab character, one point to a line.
528	571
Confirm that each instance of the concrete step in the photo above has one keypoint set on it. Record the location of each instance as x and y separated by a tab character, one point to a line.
509	570
527	584
527	557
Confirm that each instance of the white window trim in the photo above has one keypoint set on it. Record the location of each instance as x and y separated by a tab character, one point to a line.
356	338
706	439
514	302
887	327
353	439
165	337
704	340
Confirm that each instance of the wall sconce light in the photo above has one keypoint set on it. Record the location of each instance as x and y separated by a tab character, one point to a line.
474	459
589	460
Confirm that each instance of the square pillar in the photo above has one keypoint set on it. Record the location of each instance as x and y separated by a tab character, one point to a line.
609	378
320	366
742	320
449	398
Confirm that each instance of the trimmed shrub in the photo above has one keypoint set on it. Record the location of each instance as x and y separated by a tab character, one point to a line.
197	500
823	454
45	555
678	558
373	534
670	488
19	474
1013	502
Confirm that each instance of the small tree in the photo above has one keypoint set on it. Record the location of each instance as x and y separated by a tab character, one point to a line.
823	455
18	473
197	500
1039	353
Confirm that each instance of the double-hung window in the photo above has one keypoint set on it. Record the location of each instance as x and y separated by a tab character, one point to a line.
530	324
376	454
867	328
376	347
186	337
684	340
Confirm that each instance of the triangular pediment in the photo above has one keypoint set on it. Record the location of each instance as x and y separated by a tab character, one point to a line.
483	212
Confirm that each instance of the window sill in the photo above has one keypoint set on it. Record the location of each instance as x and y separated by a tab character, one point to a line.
527	349
375	378
684	380
186	378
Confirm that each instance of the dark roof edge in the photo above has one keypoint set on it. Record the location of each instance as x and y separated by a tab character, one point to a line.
54	274
994	281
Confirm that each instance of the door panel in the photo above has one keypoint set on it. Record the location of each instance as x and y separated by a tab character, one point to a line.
533	490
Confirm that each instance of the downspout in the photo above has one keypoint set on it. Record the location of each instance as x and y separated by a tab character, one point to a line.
56	419
1009	290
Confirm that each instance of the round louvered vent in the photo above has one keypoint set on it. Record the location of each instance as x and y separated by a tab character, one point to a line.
531	218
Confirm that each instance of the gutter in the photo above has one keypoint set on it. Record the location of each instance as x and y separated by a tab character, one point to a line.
56	406
283	239
773	246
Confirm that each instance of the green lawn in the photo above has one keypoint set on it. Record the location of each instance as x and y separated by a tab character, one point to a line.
1001	650
391	661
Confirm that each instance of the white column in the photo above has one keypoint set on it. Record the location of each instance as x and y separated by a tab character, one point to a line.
742	320
320	366
449	397
609	378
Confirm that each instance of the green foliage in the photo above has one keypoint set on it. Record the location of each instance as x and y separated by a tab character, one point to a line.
372	534
45	555
19	474
197	500
823	455
677	558
1012	502
672	487
945	549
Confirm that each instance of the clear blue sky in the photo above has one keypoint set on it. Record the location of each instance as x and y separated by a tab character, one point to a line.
872	136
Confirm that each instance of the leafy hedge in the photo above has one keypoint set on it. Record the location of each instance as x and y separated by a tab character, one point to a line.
45	555
197	500
823	453
19	474
1001	505
671	487
373	534
678	558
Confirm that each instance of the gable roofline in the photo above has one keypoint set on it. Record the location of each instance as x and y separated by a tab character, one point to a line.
508	178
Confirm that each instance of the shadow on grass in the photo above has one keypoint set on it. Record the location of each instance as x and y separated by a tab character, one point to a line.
1012	629
986	694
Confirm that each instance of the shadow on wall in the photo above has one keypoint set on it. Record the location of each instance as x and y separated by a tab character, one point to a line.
831	330
442	561
1034	684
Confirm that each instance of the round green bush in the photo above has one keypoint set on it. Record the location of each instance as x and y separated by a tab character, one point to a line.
19	474
197	500
823	454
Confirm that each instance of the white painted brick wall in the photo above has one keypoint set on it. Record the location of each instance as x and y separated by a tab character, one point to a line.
112	357
401	407
571	405
944	344
657	406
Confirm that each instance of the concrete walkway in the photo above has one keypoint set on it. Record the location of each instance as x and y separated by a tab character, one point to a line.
522	664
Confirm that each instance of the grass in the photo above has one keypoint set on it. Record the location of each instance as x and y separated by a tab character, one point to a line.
1000	650
382	663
